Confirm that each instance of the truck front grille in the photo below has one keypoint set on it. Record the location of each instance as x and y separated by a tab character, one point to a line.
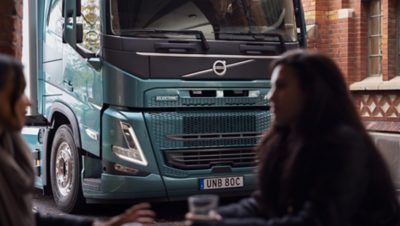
203	138
206	158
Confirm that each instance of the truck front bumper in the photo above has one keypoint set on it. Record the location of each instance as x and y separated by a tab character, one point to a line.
117	188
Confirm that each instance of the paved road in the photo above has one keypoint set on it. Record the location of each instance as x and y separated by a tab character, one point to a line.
168	213
165	214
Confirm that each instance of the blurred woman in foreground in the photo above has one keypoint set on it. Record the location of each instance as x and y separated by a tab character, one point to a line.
318	165
16	169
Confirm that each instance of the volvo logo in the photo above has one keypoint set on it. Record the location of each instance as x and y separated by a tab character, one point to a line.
219	67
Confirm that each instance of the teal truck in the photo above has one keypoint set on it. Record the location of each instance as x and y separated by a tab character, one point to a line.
152	99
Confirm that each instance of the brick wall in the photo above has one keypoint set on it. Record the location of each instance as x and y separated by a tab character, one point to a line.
11	27
341	31
389	39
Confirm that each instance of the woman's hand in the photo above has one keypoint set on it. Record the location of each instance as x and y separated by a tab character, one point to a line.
139	213
212	216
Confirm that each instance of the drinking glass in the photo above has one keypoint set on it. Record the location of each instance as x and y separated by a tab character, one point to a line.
200	205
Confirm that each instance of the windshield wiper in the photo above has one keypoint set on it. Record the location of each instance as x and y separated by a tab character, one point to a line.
198	34
258	37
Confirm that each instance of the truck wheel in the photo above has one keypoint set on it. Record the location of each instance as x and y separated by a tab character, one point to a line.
65	170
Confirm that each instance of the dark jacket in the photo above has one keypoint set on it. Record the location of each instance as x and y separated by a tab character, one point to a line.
338	180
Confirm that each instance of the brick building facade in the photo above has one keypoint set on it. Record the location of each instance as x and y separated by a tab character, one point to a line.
11	27
362	36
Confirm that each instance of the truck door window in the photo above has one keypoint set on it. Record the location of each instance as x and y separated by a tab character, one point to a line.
211	17
55	20
91	25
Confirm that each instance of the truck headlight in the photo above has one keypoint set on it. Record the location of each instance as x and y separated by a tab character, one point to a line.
134	152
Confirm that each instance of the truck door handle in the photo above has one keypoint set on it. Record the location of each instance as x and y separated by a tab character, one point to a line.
68	85
176	46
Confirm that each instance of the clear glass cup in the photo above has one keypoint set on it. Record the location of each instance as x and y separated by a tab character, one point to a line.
200	205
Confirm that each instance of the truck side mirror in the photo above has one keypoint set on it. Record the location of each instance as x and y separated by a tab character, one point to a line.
72	31
79	33
73	6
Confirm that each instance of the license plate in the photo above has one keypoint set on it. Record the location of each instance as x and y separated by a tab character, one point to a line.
221	182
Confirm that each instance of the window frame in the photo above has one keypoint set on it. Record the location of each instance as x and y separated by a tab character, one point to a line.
378	17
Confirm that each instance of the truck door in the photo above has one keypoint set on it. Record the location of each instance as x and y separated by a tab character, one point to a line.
81	79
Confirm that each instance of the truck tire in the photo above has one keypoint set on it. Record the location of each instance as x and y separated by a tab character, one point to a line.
65	168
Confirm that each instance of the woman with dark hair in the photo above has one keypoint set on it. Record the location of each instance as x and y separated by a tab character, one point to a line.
16	169
318	165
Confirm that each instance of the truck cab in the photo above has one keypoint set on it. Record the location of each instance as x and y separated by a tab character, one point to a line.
153	99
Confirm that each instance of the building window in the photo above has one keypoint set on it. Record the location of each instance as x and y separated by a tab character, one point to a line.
375	39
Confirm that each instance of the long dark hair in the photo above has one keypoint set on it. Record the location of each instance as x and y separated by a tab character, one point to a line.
324	86
11	73
327	105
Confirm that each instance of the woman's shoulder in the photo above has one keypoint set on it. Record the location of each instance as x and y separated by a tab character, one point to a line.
344	130
345	135
345	141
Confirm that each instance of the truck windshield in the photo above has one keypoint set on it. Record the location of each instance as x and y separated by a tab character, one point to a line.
216	19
